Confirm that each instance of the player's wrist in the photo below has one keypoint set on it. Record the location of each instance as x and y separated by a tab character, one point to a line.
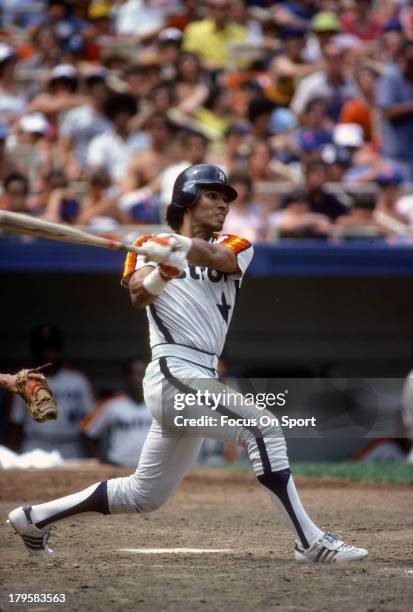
155	282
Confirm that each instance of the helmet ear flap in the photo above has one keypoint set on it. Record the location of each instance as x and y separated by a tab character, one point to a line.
189	194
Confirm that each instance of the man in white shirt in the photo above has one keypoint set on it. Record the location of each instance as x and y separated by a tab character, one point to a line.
112	150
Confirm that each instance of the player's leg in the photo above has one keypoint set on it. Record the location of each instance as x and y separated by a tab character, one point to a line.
267	450
163	463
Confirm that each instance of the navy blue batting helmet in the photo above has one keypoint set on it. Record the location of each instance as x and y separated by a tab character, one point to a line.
186	187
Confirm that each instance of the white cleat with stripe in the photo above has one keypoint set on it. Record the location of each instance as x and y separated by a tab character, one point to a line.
34	539
329	549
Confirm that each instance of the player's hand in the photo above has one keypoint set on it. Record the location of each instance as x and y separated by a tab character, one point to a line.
175	265
159	248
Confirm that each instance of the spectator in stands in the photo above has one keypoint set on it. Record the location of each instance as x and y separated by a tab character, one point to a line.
145	167
386	211
259	163
62	203
209	38
45	52
245	217
66	25
215	115
235	150
141	19
394	98
169	45
259	113
361	109
73	394
30	139
12	103
98	207
80	125
289	65
15	192
318	198
331	83
122	421
360	20
191	84
325	26
60	95
296	220
8	163
193	150
113	149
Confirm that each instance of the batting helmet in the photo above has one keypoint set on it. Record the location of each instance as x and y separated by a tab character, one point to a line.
186	187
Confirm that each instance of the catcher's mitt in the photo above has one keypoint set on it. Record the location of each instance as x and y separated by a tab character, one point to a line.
40	401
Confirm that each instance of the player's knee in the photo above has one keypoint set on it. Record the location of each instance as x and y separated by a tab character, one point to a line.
148	504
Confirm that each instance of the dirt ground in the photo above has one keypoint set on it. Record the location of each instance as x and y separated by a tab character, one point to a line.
212	509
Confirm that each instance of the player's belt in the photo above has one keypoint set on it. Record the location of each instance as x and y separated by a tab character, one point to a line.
188	353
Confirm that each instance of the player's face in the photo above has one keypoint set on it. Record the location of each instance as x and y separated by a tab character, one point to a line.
210	211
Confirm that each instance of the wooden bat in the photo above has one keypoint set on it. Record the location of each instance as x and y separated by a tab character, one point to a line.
24	224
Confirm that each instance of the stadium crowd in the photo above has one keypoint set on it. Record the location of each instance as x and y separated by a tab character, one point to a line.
306	104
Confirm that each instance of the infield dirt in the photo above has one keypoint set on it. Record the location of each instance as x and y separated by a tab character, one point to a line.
219	509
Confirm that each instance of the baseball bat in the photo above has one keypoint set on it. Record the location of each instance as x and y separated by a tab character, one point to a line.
24	224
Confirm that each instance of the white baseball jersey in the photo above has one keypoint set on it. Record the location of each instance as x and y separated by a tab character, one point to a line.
74	398
125	423
195	309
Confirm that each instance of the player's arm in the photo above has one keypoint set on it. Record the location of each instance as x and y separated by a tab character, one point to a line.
215	256
139	295
8	381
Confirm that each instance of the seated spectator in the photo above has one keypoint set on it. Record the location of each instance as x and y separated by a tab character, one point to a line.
45	52
62	204
8	164
337	162
364	162
60	94
394	98
169	45
73	395
80	125
325	26
191	84
144	168
112	150
318	198
33	130
235	148
386	211
245	218
360	109
360	20
139	18
98	206
12	103
296	220
209	38
15	193
315	130
121	422
331	84
215	116
259	114
193	150
289	65
64	23
259	163
359	221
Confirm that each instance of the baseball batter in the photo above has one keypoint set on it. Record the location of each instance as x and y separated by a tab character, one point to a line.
189	281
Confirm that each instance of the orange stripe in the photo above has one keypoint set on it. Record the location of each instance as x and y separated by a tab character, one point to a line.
130	262
236	243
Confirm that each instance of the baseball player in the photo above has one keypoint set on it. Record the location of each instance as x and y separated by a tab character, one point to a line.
189	281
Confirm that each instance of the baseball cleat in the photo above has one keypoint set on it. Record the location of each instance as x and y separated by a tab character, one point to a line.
34	539
329	549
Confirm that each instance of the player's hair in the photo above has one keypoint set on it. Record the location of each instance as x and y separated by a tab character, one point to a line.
174	216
